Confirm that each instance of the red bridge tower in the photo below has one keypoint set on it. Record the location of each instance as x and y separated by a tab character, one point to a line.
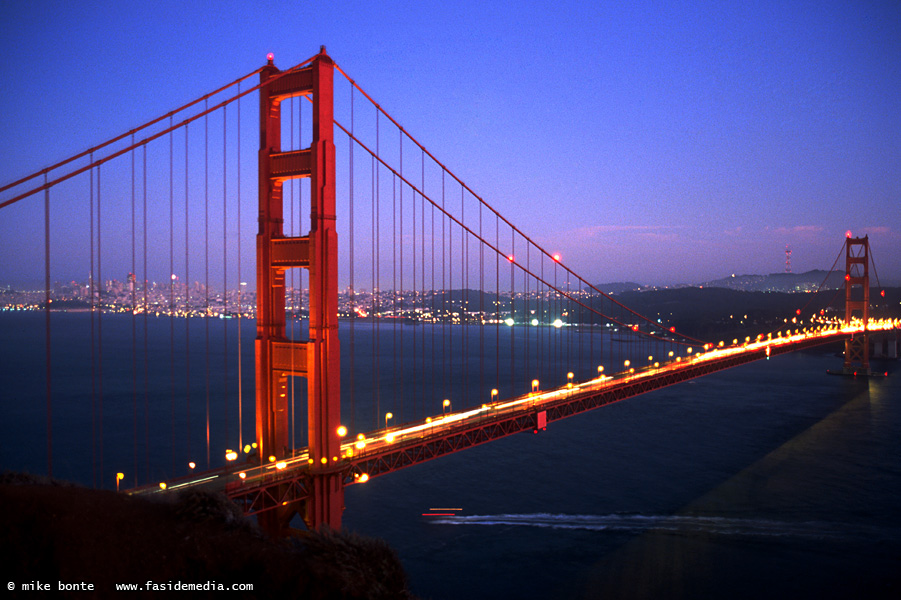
857	303
277	357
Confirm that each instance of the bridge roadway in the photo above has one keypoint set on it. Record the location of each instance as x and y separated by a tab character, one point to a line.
258	487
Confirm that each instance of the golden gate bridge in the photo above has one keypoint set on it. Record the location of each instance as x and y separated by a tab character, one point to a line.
348	202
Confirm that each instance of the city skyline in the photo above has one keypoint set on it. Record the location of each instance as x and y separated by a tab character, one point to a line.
676	144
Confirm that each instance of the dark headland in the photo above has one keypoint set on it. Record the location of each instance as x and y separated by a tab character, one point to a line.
58	532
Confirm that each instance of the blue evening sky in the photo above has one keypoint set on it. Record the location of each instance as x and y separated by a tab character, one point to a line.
658	142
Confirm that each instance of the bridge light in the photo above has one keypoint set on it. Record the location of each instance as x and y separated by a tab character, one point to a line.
601	368
242	475
364	477
389	438
323	460
494	393
534	385
388	416
341	431
270	57
281	465
510	258
556	257
192	464
558	323
162	485
271	458
626	363
534	322
231	455
509	321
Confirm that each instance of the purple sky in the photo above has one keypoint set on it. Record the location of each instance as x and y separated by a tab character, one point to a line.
658	142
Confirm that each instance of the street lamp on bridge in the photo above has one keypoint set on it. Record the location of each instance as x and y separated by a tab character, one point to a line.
445	405
388	416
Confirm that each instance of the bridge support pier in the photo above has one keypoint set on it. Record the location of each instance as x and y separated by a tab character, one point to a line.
277	357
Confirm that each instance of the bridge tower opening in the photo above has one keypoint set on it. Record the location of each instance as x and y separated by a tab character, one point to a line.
277	357
857	304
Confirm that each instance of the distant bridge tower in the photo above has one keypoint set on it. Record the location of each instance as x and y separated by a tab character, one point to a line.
277	357
857	303
788	259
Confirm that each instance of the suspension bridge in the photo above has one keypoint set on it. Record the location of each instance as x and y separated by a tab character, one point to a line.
457	328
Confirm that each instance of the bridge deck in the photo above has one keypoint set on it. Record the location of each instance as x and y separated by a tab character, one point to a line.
260	487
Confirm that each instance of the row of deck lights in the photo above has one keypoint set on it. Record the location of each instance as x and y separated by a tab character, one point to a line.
446	403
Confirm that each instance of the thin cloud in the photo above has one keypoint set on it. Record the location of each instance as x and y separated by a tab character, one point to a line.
799	229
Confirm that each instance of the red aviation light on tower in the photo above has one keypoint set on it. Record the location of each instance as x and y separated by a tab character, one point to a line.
270	57
848	234
510	258
557	257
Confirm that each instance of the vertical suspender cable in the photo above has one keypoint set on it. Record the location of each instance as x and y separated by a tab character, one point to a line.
171	297
497	305
434	309
132	283
512	309
47	325
240	285
394	243
353	312
399	243
423	391
378	228
444	250
93	341
374	298
526	325
99	333
206	268
464	297
481	308
188	314
225	270
145	280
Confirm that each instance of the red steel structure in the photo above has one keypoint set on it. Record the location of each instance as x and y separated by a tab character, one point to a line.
277	357
857	304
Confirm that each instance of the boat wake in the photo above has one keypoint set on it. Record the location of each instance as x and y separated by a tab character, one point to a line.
675	524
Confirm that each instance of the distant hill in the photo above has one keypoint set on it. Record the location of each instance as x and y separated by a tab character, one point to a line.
619	287
781	282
